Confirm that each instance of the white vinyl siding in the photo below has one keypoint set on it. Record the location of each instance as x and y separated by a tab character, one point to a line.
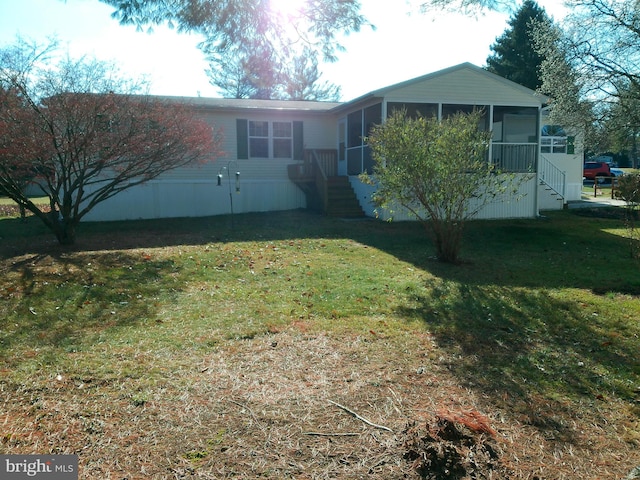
281	130
464	86
518	204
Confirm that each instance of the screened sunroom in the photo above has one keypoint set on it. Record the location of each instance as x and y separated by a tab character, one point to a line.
511	112
514	143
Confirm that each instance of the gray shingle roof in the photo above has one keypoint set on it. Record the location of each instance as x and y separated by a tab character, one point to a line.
244	104
254	104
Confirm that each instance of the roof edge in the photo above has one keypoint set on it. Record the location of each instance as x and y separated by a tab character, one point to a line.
382	92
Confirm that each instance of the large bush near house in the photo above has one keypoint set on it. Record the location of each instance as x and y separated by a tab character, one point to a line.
437	170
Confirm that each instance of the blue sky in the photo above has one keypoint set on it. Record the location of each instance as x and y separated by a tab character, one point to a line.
405	45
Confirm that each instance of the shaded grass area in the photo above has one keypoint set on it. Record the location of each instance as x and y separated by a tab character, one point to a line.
195	347
8	208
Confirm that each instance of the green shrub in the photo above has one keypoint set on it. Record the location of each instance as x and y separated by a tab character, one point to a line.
629	188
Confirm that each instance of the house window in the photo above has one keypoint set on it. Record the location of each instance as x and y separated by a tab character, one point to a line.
270	140
282	140
553	139
264	139
515	124
372	117
514	145
259	139
553	144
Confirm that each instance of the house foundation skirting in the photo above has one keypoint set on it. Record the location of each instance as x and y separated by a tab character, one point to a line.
521	204
171	199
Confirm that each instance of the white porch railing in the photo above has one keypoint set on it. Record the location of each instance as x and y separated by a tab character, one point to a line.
552	176
515	157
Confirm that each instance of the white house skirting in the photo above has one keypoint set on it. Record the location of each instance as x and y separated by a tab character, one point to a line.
519	205
192	198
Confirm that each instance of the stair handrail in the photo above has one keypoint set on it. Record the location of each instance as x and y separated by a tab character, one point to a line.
552	176
321	179
317	166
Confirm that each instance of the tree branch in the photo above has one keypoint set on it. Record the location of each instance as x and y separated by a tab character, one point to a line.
371	424
320	434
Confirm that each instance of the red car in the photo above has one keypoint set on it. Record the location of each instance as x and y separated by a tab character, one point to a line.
591	170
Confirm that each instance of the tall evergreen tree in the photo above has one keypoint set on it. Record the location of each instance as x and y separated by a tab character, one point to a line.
514	56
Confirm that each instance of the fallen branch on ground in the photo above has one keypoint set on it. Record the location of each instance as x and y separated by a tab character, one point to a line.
371	424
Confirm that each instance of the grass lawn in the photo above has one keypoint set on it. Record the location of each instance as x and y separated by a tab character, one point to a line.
9	208
291	345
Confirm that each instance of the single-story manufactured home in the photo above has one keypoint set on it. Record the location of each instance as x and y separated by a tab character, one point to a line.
282	155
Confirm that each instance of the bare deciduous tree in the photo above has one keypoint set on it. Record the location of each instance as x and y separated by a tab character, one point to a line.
80	135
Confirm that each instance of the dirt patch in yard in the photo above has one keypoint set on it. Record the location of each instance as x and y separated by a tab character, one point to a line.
292	405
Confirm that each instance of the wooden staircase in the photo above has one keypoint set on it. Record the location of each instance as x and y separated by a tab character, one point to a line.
342	200
326	192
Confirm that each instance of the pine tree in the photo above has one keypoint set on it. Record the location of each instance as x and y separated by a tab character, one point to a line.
256	75
515	57
303	80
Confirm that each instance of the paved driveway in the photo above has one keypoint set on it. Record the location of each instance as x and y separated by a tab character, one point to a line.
589	201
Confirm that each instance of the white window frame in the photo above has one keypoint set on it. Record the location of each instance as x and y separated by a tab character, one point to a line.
271	138
253	136
553	144
281	139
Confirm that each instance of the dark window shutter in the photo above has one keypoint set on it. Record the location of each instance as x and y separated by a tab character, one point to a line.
571	145
298	141
242	131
